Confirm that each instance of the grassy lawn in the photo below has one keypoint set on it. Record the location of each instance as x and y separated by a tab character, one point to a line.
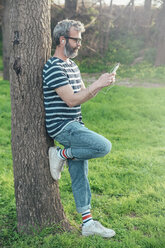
128	185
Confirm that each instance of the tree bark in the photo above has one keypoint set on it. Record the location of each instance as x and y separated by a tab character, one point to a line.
5	35
37	194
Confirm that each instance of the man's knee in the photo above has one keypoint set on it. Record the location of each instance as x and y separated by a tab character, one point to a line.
106	147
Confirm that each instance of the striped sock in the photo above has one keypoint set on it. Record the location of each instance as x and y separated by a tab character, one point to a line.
65	153
87	217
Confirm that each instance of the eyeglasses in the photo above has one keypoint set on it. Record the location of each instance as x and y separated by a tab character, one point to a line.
77	40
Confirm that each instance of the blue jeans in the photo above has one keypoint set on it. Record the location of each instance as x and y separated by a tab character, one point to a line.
83	144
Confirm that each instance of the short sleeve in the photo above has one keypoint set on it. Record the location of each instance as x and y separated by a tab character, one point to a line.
55	76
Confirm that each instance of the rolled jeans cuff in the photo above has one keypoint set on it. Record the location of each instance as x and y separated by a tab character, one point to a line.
83	209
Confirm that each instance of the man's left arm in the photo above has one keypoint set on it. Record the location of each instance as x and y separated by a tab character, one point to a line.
83	87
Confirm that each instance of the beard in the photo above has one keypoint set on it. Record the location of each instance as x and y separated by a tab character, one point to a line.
69	51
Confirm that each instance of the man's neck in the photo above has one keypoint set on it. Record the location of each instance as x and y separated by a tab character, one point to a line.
59	53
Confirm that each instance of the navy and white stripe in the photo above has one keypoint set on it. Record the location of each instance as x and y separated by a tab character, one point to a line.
57	73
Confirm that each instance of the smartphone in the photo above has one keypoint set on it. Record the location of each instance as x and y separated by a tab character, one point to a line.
115	68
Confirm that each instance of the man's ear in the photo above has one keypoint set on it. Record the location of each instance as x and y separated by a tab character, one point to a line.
62	40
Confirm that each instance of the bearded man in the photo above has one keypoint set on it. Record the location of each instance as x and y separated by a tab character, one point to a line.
64	92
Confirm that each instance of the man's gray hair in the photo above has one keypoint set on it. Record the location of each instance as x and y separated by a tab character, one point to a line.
63	27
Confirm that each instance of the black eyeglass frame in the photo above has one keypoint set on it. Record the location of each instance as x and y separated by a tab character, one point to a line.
78	40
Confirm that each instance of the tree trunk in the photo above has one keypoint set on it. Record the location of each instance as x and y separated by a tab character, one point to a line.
71	6
160	56
5	35
37	194
108	27
147	5
147	12
110	4
131	15
101	29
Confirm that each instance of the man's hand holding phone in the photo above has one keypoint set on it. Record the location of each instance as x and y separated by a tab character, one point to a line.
112	75
107	79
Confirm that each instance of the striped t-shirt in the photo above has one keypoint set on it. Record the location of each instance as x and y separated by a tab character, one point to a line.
57	73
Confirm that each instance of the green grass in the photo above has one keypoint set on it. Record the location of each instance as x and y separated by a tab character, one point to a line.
128	185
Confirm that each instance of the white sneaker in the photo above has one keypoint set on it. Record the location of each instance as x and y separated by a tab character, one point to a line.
96	228
56	163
